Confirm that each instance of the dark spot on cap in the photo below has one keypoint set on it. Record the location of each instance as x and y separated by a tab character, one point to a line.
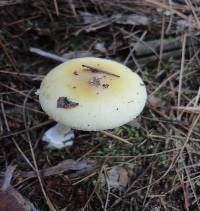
105	86
131	101
117	109
75	73
64	102
94	81
74	87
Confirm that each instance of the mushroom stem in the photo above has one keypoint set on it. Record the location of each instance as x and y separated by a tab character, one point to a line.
59	136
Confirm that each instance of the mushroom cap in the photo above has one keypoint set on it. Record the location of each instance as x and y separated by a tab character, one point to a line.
92	94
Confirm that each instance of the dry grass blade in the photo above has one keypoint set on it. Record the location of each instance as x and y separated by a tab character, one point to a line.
194	110
10	2
109	134
7	178
181	71
27	129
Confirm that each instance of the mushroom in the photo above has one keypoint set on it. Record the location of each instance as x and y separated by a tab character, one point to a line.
90	94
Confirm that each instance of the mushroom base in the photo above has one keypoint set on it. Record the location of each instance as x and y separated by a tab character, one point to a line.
59	136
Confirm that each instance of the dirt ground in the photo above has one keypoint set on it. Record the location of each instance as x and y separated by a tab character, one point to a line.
157	39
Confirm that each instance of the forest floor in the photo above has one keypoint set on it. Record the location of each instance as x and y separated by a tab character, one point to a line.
157	39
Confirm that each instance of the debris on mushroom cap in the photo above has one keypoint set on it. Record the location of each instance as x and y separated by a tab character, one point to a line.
95	94
64	102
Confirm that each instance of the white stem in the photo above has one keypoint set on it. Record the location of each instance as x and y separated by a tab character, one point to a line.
59	136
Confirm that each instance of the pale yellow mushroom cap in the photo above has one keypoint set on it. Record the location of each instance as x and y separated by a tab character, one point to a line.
92	94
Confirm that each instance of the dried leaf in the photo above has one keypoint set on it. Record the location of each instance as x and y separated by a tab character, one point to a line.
117	177
64	166
10	199
64	102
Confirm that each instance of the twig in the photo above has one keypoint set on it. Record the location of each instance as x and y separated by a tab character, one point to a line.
27	129
7	177
109	134
16	144
56	7
17	91
109	189
161	43
135	46
88	152
194	12
189	133
40	77
10	59
138	156
48	201
96	70
182	69
20	106
47	54
190	109
164	82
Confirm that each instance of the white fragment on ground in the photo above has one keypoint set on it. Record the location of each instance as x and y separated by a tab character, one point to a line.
117	177
37	92
184	25
100	46
59	136
90	18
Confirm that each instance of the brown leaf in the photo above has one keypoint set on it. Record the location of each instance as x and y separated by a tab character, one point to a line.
117	177
12	200
64	102
64	166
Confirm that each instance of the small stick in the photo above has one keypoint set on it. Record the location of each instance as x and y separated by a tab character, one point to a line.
95	70
109	134
21	106
181	73
47	54
25	130
7	178
40	77
189	109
